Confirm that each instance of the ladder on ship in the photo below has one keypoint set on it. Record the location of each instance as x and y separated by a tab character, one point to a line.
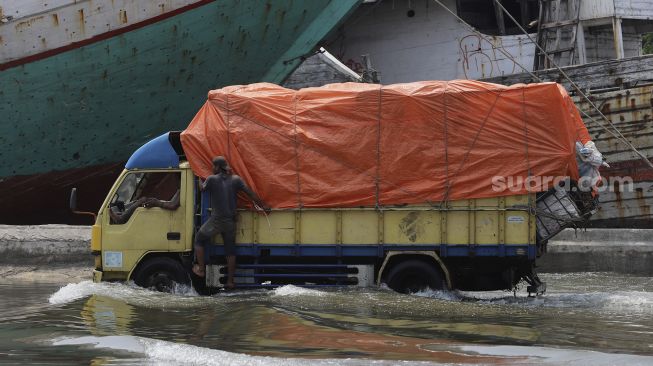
557	33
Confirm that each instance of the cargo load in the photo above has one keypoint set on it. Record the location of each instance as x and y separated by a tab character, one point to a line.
352	145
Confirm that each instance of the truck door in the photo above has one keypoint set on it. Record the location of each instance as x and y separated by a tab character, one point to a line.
145	214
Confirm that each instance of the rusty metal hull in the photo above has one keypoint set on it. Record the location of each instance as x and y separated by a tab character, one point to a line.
623	91
627	198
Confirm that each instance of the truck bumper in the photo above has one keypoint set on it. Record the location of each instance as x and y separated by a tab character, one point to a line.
97	276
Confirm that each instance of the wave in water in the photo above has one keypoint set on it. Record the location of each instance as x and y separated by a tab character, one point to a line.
631	301
133	294
167	353
178	353
558	356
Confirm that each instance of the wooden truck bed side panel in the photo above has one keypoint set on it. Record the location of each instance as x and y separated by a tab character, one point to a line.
489	221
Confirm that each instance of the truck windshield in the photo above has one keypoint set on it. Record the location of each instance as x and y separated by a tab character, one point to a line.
125	192
151	189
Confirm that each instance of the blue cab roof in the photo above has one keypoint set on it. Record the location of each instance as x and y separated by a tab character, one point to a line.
156	153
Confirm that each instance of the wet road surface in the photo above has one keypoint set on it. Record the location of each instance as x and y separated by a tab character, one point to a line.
585	318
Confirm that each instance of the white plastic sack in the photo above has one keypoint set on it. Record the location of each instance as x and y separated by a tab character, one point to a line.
589	160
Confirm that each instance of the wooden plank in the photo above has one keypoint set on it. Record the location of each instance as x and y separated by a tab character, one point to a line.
558	31
537	62
618	38
561	23
498	13
575	5
523	8
605	74
560	50
580	45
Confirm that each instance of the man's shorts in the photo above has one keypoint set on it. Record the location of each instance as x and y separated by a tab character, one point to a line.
213	226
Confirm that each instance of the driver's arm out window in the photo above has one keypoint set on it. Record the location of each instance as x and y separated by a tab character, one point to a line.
154	189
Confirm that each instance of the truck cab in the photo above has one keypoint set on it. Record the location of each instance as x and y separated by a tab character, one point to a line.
132	240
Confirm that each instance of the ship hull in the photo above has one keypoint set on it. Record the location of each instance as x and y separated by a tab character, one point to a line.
87	105
627	194
43	198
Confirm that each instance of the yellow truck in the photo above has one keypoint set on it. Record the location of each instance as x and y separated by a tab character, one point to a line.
475	244
372	184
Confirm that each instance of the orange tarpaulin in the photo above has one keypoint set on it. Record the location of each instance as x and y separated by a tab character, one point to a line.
358	144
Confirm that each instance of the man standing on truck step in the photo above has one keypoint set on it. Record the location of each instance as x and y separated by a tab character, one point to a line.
223	187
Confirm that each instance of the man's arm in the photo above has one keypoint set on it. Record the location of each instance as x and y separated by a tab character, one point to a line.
173	204
203	183
123	217
254	197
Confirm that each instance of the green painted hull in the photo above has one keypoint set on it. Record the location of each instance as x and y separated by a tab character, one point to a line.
96	104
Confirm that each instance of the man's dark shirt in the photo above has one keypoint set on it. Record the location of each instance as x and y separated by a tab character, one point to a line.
223	189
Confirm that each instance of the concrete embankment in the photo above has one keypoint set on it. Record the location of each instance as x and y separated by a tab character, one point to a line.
596	250
45	244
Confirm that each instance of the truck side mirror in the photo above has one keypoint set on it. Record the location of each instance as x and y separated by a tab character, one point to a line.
73	205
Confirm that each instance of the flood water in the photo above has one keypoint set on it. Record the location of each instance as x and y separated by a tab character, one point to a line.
585	318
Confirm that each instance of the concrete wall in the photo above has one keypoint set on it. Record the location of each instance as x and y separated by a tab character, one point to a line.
599	43
430	45
600	250
634	9
596	9
45	244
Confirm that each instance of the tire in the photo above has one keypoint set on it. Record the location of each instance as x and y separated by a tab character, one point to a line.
160	274
410	276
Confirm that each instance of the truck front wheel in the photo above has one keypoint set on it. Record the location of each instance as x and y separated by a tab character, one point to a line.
414	275
161	273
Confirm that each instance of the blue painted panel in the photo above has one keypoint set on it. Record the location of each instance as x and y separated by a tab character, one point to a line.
332	250
156	153
206	204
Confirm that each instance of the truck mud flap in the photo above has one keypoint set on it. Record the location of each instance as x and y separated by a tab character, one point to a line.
535	285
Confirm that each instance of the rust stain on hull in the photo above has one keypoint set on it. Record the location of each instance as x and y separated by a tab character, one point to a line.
122	15
82	20
27	23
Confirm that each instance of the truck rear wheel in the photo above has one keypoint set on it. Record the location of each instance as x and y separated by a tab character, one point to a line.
161	274
414	275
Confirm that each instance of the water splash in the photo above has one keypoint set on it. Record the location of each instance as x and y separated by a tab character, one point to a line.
622	301
291	290
440	295
128	292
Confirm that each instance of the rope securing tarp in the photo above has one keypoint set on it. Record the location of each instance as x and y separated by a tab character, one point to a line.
353	144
